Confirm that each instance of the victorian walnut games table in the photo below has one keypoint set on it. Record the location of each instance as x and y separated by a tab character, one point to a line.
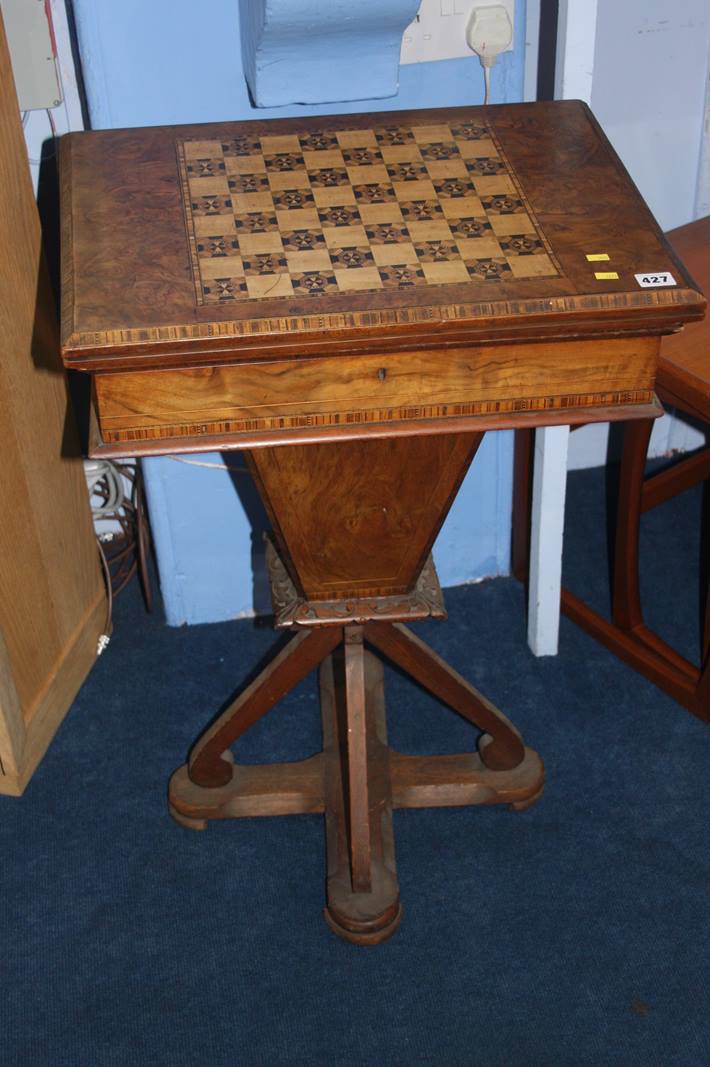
353	301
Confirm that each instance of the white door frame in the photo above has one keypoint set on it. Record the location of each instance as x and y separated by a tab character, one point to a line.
574	69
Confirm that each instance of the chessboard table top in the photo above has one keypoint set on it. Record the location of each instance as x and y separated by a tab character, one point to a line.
400	229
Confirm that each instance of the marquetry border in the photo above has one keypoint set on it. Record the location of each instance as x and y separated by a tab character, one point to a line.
467	316
364	417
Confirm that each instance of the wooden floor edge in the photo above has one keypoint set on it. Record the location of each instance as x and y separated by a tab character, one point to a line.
48	712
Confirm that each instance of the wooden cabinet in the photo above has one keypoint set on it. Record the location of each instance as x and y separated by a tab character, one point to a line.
52	599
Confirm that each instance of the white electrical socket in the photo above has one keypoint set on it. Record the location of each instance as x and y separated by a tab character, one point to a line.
489	33
439	30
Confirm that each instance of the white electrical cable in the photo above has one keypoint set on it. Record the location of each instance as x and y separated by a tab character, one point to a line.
103	470
206	463
53	131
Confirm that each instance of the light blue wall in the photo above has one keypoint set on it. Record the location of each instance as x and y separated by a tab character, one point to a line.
175	61
171	61
309	52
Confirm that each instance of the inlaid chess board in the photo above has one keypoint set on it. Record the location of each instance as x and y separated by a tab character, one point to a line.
387	208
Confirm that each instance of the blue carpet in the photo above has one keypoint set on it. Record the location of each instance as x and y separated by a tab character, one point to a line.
574	933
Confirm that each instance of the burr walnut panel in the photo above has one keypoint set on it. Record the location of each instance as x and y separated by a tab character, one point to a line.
236	241
358	519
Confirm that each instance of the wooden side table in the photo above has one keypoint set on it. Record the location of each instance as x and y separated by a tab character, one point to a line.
682	382
353	301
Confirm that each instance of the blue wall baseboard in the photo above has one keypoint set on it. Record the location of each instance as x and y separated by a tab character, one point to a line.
168	63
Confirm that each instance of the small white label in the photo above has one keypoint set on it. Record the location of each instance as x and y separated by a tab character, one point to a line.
652	279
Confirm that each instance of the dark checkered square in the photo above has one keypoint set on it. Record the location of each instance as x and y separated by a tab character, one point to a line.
470	228
451	188
485	165
351	258
284	161
502	204
490	270
439	151
402	276
293	199
205	168
318	142
328	177
436	251
470	131
387	233
407	172
521	244
376	193
249	183
421	210
265	263
256	222
314	283
362	157
217	247
222	290
241	146
302	240
390	136
211	205
339	216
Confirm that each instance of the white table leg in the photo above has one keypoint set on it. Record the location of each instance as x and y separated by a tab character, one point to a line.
548	516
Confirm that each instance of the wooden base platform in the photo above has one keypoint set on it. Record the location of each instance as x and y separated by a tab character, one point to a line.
357	780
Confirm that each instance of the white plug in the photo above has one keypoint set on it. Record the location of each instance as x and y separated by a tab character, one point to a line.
489	32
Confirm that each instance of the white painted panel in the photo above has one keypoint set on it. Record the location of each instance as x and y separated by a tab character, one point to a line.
573	80
651	69
31	53
650	92
588	445
574	64
532	46
67	116
702	203
548	518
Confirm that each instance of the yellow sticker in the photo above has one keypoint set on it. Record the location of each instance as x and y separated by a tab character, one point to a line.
597	257
606	275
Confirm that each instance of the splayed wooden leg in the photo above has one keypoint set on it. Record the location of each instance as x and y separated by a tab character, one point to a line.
501	747
302	654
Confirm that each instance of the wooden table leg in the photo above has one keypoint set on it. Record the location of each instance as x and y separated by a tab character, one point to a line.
626	598
209	786
501	747
522	503
302	654
356	780
363	893
358	785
